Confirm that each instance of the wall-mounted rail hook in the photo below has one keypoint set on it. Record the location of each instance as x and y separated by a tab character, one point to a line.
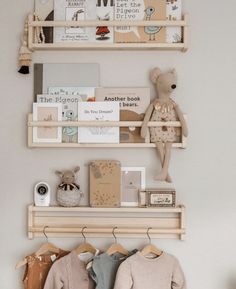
82	233
113	233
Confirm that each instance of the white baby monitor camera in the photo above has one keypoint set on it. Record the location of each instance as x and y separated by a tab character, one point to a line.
42	194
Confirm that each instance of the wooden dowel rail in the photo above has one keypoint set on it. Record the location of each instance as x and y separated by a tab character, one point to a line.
101	123
107	46
106	230
178	209
95	23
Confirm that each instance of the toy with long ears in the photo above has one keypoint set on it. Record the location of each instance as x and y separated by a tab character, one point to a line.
163	108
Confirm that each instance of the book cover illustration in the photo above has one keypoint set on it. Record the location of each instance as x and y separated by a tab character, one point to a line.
98	111
173	12
105	12
44	10
74	10
140	10
47	112
133	103
69	107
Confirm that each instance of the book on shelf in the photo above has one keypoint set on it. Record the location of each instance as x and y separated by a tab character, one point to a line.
133	102
69	106
140	10
173	12
44	11
98	111
105	12
74	10
84	93
65	75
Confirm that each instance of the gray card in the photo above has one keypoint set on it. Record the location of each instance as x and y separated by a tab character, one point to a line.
64	74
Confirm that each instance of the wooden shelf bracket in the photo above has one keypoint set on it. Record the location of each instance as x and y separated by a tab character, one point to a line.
34	45
146	144
130	222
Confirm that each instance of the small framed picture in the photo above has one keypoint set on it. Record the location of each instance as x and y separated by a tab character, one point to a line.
47	112
157	198
132	181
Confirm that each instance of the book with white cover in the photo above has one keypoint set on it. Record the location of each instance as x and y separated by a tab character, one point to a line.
105	12
74	10
69	107
98	111
173	12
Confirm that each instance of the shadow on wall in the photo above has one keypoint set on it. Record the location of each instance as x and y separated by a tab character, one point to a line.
232	283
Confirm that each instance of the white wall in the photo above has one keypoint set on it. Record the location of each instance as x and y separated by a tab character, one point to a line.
204	174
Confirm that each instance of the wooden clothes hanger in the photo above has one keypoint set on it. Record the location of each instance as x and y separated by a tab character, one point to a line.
85	247
115	247
150	248
45	248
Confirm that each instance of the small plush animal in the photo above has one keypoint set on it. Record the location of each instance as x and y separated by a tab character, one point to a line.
164	109
68	192
68	179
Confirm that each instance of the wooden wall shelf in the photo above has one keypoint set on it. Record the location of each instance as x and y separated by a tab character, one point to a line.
33	25
147	144
130	222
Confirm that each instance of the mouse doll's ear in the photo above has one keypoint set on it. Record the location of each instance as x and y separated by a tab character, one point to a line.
154	74
76	170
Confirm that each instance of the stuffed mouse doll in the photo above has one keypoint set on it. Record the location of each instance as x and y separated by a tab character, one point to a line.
162	109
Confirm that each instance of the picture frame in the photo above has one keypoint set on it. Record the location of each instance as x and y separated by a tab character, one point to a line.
133	179
157	198
47	112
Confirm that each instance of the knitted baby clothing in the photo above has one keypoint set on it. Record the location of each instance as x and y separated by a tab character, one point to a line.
138	272
69	273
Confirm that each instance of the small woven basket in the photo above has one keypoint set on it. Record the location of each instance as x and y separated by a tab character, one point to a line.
69	198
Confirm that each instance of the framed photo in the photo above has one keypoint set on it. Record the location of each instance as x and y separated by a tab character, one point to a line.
157	198
47	112
132	181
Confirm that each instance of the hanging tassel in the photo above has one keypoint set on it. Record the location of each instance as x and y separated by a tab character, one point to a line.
25	55
25	59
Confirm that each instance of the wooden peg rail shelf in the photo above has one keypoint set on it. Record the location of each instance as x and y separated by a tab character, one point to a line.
99	222
146	144
33	45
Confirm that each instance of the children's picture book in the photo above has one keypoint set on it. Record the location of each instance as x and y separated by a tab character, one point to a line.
105	12
133	102
47	112
105	183
74	10
173	12
84	93
140	10
98	111
44	10
69	106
